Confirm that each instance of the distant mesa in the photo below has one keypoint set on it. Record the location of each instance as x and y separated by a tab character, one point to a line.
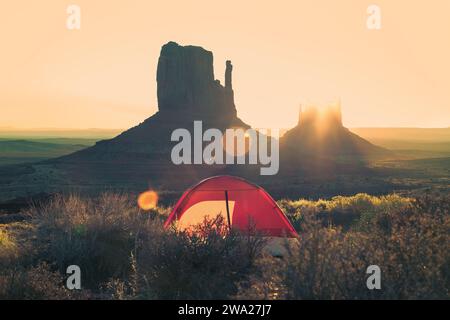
320	133
329	116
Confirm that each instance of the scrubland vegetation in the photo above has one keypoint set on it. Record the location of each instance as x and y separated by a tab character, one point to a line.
124	252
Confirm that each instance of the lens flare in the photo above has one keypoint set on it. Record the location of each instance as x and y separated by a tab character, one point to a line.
148	200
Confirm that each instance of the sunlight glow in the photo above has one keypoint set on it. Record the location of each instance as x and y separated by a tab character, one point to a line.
196	214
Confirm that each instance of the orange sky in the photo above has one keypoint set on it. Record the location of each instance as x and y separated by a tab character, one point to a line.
284	53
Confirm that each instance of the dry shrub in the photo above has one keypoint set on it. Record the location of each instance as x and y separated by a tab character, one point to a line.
343	211
265	282
409	244
125	253
96	234
20	276
8	247
326	264
34	283
204	264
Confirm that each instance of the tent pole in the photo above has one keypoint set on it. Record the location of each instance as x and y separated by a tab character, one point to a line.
228	210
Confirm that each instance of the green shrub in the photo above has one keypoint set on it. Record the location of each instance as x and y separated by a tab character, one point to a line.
344	211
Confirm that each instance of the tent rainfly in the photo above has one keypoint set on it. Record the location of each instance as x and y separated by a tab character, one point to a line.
243	205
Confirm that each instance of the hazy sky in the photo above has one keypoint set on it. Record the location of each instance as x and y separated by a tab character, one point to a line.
284	53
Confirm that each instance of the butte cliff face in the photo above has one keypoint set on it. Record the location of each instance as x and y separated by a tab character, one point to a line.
186	84
187	91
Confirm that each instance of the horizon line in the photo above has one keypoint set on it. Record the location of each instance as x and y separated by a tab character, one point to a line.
10	128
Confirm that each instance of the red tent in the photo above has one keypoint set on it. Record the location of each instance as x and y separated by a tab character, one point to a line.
243	205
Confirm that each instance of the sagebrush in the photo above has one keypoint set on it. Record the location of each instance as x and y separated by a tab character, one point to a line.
125	253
